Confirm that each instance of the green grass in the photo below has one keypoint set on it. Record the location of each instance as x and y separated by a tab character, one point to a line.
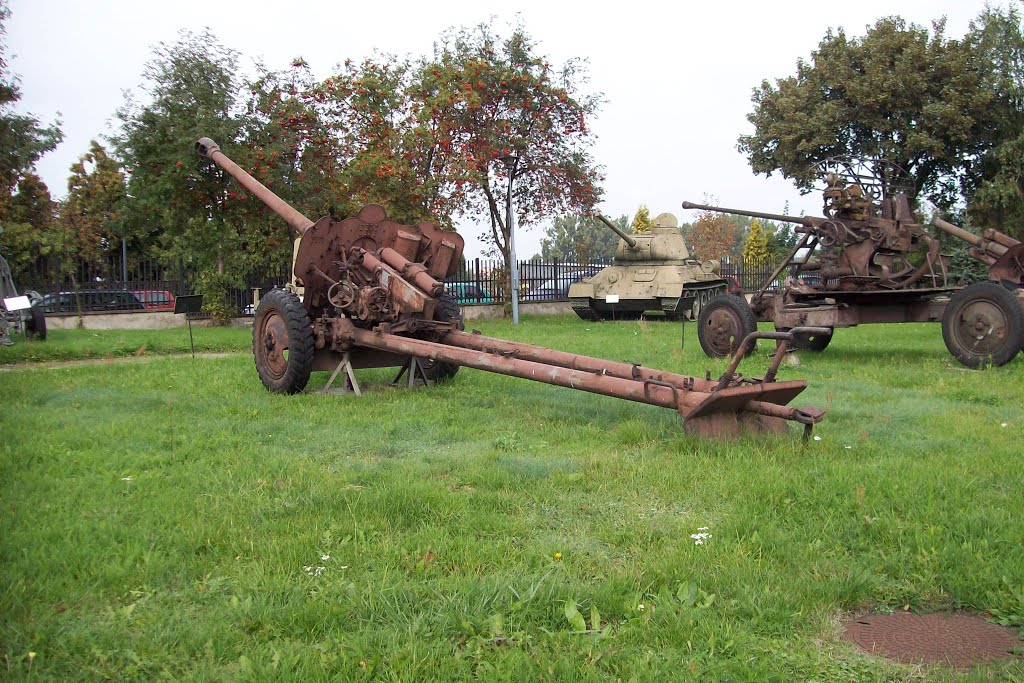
157	518
62	345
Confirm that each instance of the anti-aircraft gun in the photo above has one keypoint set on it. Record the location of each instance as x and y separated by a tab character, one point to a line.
868	260
22	313
373	297
652	271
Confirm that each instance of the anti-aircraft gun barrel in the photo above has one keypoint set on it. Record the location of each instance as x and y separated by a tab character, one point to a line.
617	230
988	248
805	221
211	150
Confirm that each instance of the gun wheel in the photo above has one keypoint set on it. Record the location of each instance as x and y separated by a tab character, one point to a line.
447	310
282	342
983	324
723	324
35	326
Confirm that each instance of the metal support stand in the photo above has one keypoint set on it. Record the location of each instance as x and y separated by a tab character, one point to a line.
411	369
188	304
351	385
191	343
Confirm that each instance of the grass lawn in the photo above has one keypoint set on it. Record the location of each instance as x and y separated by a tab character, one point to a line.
172	519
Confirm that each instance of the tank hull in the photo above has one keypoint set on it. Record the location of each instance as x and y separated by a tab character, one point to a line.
629	291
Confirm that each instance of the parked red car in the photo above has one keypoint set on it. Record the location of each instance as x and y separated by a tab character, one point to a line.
156	299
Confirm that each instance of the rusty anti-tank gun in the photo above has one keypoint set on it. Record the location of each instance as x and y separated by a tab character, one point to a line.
868	260
373	297
652	272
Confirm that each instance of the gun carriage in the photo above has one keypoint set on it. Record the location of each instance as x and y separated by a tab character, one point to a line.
373	296
868	260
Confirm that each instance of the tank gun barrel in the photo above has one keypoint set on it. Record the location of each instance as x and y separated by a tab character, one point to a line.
617	230
805	221
211	150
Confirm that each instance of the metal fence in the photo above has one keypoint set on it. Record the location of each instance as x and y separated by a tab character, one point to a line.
479	281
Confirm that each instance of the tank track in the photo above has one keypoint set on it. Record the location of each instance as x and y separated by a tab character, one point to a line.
691	290
581	307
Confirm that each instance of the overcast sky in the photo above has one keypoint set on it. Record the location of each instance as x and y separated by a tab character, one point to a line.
676	76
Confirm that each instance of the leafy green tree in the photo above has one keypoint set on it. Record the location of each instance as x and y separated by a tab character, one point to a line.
642	220
194	210
781	240
995	186
899	93
582	239
96	193
26	210
755	247
31	236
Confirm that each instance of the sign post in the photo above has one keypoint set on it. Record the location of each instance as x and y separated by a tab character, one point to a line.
191	303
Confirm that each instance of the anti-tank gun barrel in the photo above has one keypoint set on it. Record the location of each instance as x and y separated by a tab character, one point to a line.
211	150
805	221
617	230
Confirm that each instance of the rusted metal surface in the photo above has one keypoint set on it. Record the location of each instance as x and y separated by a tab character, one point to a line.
373	297
721	404
211	150
867	260
956	640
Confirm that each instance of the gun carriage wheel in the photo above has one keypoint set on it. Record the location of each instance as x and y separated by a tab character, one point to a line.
282	342
35	326
446	311
723	323
983	324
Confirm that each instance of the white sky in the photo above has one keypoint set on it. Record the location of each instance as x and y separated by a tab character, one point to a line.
676	76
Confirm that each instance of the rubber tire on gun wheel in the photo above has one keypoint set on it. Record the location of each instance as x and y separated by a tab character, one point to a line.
724	323
447	309
983	324
819	342
282	342
35	326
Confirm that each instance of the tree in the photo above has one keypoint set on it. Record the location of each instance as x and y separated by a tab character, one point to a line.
196	212
899	93
755	247
440	138
642	220
96	193
712	235
30	234
581	239
26	210
504	114
995	186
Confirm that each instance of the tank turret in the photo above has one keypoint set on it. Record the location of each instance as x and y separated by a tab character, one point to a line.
652	272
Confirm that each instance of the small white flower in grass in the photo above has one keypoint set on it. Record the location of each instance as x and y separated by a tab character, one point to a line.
640	607
324	558
344	566
1005	424
847	447
701	537
817	438
126	479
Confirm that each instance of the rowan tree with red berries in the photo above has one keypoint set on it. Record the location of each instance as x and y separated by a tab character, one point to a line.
495	108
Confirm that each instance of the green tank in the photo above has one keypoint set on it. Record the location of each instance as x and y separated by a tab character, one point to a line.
652	272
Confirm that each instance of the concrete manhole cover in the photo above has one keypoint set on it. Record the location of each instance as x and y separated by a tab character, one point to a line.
958	640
